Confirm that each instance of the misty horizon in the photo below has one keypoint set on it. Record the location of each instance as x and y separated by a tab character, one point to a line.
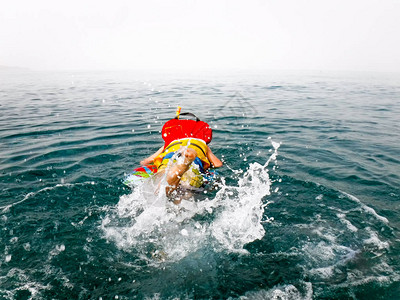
192	35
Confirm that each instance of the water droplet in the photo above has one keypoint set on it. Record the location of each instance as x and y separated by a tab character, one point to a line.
60	248
27	246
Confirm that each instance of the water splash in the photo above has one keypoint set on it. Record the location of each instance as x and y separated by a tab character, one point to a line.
150	224
282	292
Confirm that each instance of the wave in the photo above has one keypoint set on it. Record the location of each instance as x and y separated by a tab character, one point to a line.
6	208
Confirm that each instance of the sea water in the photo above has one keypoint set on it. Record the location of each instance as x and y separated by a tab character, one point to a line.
306	205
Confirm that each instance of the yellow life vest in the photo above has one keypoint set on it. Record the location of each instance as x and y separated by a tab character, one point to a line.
196	144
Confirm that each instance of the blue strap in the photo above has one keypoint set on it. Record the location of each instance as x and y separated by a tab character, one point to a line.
169	155
198	162
148	171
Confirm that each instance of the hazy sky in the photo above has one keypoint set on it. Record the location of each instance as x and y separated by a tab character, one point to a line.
361	35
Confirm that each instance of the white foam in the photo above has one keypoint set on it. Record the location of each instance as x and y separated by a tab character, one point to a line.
351	227
366	208
25	283
325	233
322	273
374	240
281	292
323	258
56	251
321	252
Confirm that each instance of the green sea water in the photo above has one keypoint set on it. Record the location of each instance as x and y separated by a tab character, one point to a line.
306	205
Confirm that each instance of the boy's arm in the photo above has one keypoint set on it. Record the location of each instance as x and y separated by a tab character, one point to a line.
151	158
215	161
